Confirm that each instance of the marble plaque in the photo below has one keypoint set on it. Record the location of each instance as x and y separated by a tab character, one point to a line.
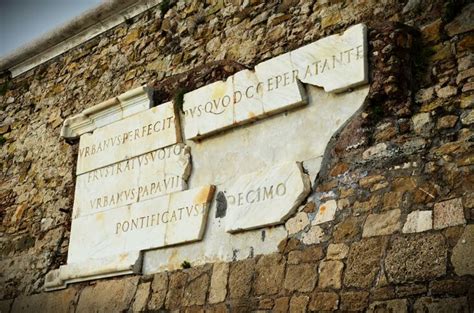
265	198
132	136
336	63
158	222
139	178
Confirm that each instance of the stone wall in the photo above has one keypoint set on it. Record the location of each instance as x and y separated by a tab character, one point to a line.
400	173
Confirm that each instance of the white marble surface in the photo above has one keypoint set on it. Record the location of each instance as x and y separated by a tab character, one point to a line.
299	135
265	198
143	177
135	135
167	220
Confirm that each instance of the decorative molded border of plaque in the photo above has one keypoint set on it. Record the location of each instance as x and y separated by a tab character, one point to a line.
109	111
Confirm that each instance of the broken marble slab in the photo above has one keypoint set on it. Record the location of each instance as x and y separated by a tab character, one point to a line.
336	63
146	176
265	198
135	135
171	219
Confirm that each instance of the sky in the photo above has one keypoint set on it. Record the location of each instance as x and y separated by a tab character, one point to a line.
22	21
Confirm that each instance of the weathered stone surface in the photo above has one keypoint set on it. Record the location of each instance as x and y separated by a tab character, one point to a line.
177	284
141	297
399	306
298	304
325	213
136	179
450	287
265	198
354	300
135	135
347	229
297	223
218	288
448	213
5	305
433	305
382	224
196	290
240	278
337	251
307	255
314	235
59	301
363	262
324	301
416	258
422	123
467	117
462	23
330	274
418	221
108	296
463	253
300	277
281	305
159	288
410	290
269	274
447	121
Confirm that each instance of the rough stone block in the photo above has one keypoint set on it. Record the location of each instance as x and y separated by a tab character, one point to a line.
433	305
270	270
108	296
297	223
177	283
337	251
298	304
301	277
324	301
417	257
159	288
58	301
141	297
448	213
281	305
309	254
330	274
196	290
218	289
463	253
422	123
382	224
314	235
418	221
240	278
326	212
363	262
398	306
354	300
347	229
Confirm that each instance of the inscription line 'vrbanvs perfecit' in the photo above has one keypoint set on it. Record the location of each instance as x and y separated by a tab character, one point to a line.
127	136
